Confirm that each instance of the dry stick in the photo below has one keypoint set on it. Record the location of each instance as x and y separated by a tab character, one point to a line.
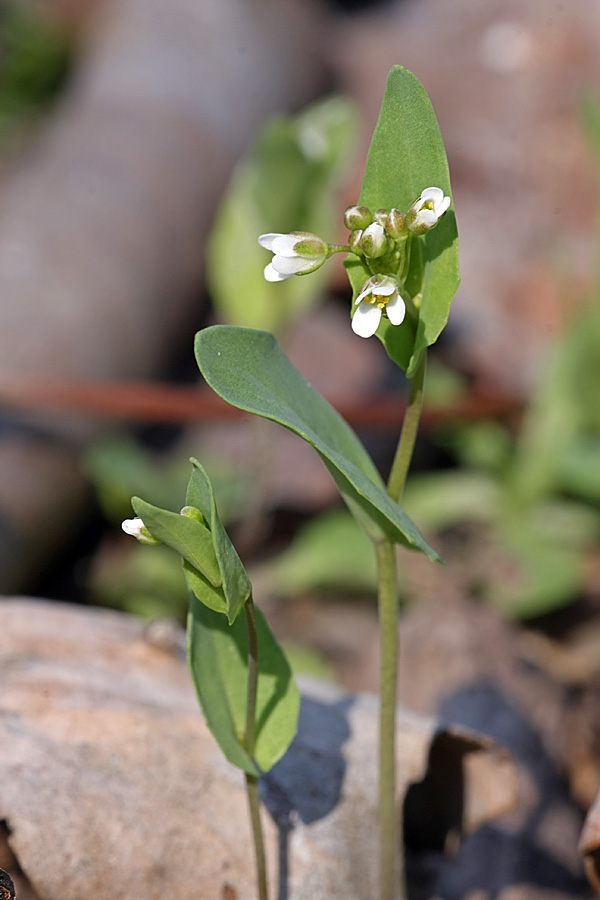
390	837
249	735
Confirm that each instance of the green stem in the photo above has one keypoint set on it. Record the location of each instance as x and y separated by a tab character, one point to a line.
338	248
408	436
249	735
391	857
388	624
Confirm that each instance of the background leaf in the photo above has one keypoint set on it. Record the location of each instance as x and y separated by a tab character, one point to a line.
249	369
288	183
328	554
218	655
407	155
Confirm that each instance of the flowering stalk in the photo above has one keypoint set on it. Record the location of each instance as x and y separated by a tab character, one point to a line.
391	867
382	242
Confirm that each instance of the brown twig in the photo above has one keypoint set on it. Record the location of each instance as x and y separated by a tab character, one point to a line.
163	403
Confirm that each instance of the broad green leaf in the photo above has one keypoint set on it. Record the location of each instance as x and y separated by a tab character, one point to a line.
249	370
288	183
235	583
189	538
407	155
218	654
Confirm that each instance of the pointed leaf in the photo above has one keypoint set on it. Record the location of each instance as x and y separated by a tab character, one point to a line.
218	655
235	583
407	155
189	538
249	369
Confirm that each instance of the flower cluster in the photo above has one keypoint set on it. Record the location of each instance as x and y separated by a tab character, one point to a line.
381	240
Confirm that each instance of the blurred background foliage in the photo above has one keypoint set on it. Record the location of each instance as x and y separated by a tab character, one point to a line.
529	487
35	60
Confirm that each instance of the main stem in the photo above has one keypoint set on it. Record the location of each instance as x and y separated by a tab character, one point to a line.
249	735
390	838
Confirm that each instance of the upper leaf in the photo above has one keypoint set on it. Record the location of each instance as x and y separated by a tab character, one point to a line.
249	369
406	156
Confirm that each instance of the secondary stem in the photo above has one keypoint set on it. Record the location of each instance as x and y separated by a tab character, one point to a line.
390	837
249	735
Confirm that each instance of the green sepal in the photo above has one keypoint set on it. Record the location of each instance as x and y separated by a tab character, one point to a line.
218	660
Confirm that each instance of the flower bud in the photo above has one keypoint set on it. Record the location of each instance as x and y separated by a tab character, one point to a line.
191	512
374	242
354	240
137	529
357	217
395	224
381	216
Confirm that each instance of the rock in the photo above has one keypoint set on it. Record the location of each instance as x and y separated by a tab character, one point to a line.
111	785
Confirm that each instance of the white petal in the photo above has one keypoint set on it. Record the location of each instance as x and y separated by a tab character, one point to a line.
266	240
396	310
375	230
283	245
272	274
385	289
132	526
441	209
366	319
426	217
291	265
435	194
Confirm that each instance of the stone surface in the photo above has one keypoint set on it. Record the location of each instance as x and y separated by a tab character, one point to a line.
110	784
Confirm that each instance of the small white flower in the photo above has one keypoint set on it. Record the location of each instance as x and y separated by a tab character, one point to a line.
137	529
379	293
427	210
294	254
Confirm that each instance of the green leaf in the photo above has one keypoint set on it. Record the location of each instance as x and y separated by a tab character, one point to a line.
218	655
235	583
189	538
287	183
407	155
249	370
